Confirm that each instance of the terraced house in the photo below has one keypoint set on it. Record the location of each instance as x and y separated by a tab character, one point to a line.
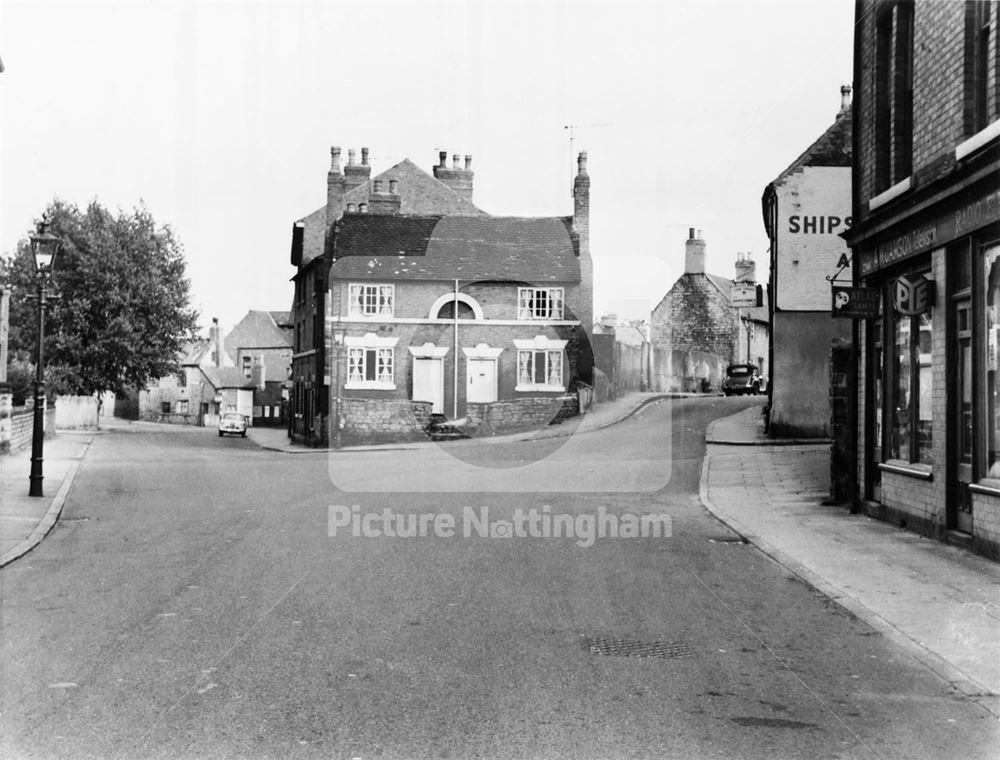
414	309
926	240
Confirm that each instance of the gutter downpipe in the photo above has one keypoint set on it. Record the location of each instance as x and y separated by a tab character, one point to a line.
454	398
854	405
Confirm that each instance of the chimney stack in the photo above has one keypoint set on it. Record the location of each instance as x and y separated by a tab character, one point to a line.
845	97
694	253
457	178
335	187
581	229
746	269
215	339
382	202
356	174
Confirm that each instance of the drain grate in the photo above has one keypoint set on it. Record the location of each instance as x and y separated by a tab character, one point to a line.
634	648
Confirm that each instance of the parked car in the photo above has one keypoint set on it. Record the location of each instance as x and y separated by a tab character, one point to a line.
233	422
742	378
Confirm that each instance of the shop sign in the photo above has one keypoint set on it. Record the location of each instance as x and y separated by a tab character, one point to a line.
743	295
912	295
855	303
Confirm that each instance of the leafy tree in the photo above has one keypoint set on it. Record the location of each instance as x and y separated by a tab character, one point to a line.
123	310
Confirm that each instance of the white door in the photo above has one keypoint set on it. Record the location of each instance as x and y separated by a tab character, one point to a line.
428	383
482	385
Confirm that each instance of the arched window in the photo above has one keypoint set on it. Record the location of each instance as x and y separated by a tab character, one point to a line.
444	307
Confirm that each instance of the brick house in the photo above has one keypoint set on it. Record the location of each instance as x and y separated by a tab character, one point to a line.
695	330
926	239
260	346
805	209
449	313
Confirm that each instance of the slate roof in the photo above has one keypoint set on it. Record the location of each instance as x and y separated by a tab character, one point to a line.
833	148
257	329
227	377
470	248
282	318
419	194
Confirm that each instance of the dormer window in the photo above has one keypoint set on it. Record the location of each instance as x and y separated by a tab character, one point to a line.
539	303
371	300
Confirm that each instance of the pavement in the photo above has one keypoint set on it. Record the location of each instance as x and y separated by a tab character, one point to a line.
26	520
939	603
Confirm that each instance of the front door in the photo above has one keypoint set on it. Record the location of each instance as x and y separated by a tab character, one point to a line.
962	392
428	382
482	382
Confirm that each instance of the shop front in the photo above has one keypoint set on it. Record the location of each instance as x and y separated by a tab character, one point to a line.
929	392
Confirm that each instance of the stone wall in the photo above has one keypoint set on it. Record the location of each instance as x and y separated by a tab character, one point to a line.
22	426
383	420
76	412
516	415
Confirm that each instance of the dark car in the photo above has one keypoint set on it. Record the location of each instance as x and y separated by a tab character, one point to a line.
742	378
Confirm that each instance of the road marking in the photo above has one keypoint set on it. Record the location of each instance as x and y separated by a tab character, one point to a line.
62	685
207	687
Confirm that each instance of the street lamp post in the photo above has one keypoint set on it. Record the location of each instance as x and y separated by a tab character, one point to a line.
339	333
44	247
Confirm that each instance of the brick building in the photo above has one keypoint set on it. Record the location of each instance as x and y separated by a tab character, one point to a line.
695	330
260	346
449	313
805	209
926	238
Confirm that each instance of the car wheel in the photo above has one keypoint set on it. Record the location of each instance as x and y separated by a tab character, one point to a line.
243	434
220	434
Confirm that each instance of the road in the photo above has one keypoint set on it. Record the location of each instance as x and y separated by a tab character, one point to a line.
192	603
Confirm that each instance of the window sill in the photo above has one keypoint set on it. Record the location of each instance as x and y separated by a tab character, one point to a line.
891	194
540	388
370	317
898	467
371	385
977	141
986	486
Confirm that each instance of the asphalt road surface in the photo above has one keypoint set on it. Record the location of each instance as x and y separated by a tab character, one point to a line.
194	602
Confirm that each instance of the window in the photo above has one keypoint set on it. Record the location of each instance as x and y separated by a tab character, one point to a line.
911	388
369	365
370	362
893	94
370	300
977	62
540	364
182	379
165	407
539	303
182	407
991	281
247	365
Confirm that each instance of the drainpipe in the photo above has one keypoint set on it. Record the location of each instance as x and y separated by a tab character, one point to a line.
454	395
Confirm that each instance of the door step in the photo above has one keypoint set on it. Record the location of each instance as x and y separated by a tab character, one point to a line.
440	428
958	538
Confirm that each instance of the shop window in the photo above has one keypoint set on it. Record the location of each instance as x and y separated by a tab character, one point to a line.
911	391
992	301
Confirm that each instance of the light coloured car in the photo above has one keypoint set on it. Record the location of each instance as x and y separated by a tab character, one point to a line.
233	423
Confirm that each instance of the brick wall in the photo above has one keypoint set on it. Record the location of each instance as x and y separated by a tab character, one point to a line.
22	426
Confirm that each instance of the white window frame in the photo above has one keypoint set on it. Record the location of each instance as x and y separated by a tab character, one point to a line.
527	303
552	352
371	300
381	352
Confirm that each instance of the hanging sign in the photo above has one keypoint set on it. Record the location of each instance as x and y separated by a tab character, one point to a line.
854	303
912	295
743	295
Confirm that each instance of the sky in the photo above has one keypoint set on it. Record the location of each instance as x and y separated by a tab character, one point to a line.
219	115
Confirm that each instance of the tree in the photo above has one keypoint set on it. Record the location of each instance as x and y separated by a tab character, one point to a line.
123	310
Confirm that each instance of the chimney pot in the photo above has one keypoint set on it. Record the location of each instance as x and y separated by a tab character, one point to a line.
690	233
350	156
335	159
351	208
581	162
845	96
468	162
364	156
363	208
454	162
393	184
699	234
443	158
